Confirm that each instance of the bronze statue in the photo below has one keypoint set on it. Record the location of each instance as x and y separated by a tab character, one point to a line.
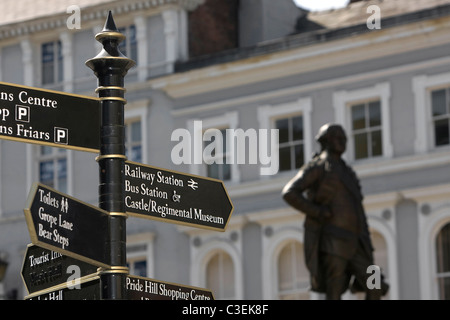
336	240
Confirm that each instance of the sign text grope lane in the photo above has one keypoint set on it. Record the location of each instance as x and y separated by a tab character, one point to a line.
61	223
170	196
49	117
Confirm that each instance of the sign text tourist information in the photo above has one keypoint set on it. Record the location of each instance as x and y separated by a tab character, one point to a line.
61	223
170	196
43	268
49	117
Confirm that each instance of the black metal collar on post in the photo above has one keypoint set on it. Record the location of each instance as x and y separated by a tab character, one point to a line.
110	66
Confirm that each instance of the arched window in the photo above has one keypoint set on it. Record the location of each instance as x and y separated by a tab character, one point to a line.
443	262
293	277
220	276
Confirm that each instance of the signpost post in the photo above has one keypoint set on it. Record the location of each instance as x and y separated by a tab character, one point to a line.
110	66
49	118
61	223
170	196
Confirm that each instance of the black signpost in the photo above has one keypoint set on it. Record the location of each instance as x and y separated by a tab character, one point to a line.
49	118
61	223
67	232
170	196
43	268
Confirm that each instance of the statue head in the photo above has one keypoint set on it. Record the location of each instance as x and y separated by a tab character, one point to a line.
331	136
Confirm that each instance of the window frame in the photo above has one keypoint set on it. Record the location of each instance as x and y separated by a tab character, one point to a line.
268	114
57	62
137	111
343	101
56	155
228	120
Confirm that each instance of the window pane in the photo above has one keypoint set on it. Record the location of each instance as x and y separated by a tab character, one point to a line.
441	132
60	61
226	171
297	128
444	288
376	143
299	156
374	114
213	170
46	173
62	175
443	261
228	275
133	43
136	153
136	131
285	158
283	126
48	71
438	102
140	268
361	146
47	52
442	249
358	117
46	150
220	276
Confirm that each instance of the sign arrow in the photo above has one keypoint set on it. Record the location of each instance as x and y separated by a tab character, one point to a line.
66	225
89	289
176	197
43	268
140	288
49	117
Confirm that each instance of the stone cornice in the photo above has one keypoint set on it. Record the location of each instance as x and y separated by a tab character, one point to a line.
92	13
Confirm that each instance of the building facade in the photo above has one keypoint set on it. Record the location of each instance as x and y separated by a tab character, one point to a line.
379	68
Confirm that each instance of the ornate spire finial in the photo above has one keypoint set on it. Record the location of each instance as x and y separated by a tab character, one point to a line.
110	38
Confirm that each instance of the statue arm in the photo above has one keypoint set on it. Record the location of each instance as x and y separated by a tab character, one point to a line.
293	192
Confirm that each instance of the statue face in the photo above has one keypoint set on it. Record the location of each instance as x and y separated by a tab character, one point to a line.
337	140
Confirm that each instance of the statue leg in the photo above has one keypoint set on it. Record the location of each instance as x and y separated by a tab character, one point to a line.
358	266
336	280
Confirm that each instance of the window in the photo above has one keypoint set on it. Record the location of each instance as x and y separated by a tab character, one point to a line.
220	276
293	277
138	267
440	116
291	142
364	115
431	111
366	129
53	167
129	45
293	121
443	262
213	157
217	165
52	62
133	140
140	253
